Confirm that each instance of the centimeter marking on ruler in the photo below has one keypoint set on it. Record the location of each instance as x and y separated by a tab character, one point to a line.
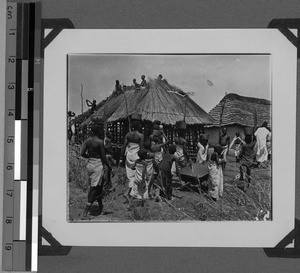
22	143
10	87
22	139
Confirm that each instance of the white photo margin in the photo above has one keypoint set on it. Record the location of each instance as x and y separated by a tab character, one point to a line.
175	234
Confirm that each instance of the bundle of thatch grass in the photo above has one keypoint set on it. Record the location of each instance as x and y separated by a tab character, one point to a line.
77	169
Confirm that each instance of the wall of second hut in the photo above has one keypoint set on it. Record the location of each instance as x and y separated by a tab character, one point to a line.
231	131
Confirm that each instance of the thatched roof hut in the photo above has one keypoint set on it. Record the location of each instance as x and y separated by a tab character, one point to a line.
239	112
159	101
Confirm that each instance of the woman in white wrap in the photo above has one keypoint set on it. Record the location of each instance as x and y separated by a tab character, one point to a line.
261	135
132	144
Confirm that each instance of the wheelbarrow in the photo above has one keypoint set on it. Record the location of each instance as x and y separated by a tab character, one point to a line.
194	175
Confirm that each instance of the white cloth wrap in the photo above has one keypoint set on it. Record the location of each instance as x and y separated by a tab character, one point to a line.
95	171
140	188
216	180
261	141
131	156
202	153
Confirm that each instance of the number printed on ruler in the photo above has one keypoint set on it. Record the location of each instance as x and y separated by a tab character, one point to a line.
10	81
23	38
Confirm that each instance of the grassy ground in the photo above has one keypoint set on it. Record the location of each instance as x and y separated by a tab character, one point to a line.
187	203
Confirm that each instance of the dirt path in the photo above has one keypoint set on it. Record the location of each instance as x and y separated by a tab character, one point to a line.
186	204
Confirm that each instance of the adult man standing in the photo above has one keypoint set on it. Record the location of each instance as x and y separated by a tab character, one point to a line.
93	149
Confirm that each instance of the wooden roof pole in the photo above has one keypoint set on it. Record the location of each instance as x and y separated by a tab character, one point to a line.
255	119
222	111
184	116
185	104
127	111
105	118
81	98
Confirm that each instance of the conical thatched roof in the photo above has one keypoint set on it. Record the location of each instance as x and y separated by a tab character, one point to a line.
159	101
240	110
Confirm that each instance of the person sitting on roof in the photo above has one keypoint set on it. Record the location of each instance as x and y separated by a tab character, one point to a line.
160	78
136	85
143	83
118	87
93	105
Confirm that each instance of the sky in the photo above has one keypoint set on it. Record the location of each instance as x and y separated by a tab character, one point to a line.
208	77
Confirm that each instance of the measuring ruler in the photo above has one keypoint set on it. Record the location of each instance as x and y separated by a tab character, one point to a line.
22	144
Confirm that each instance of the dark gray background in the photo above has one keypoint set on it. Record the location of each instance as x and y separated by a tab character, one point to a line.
170	14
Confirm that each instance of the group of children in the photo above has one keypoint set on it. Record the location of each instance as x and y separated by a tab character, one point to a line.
246	151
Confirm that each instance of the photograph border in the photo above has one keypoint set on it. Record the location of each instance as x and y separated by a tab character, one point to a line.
239	234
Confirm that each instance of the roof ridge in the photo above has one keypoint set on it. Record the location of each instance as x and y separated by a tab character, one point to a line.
245	99
165	106
240	110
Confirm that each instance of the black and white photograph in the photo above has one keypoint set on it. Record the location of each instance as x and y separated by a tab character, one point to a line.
175	136
169	137
157	136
